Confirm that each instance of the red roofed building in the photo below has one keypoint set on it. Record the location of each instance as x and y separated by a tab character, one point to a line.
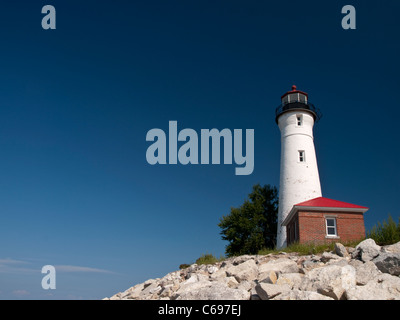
324	220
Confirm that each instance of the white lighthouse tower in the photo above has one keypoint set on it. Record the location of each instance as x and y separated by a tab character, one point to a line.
299	177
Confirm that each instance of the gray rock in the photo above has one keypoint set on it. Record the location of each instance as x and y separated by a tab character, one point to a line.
293	280
246	285
331	281
245	271
383	287
155	290
195	277
268	277
133	292
212	269
226	264
240	259
310	264
193	268
281	265
296	294
219	274
214	291
268	291
170	278
231	282
388	262
338	262
350	250
356	263
366	250
149	289
393	248
340	250
116	296
366	272
149	282
327	256
167	291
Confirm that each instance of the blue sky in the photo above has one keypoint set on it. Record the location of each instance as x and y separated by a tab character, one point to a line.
77	102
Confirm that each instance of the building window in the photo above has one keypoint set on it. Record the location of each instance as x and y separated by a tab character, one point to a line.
331	230
299	120
302	156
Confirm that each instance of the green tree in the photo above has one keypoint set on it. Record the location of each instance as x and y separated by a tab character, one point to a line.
253	225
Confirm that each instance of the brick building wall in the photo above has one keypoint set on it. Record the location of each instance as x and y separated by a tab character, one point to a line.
310	226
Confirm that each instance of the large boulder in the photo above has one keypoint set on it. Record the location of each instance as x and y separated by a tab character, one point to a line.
331	281
393	248
388	262
365	272
382	287
293	280
267	291
279	266
268	277
231	282
366	250
244	271
340	250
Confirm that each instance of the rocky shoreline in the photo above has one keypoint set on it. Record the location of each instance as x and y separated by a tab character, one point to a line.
366	272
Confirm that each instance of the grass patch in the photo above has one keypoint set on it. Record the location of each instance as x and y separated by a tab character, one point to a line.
206	258
308	248
209	259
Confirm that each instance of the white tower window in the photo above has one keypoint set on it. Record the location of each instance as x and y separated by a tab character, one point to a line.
299	120
302	156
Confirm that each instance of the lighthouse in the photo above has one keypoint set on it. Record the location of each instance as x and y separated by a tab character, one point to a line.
299	177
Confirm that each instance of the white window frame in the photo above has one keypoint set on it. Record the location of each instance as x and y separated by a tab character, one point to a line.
334	226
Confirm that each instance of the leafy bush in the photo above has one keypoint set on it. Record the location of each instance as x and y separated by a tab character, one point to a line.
385	233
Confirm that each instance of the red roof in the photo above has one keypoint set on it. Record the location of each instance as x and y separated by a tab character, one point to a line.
322	203
327	203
